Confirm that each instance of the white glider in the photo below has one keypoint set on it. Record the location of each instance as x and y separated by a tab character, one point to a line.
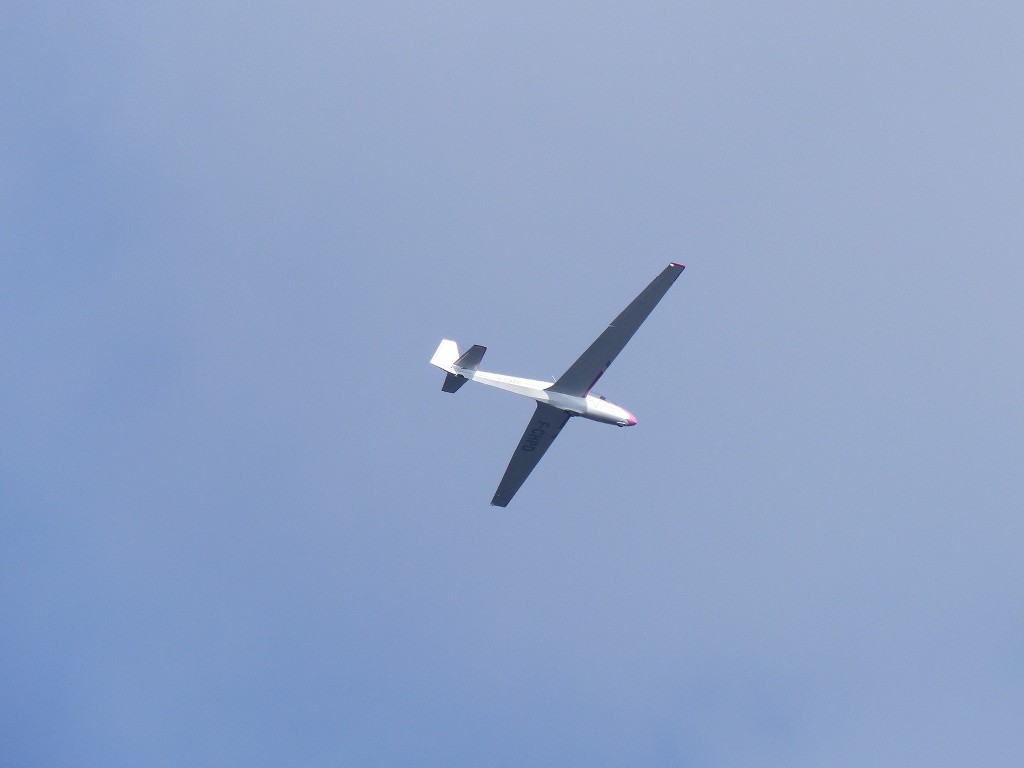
569	396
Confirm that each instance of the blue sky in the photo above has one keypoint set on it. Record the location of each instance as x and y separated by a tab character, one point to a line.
243	526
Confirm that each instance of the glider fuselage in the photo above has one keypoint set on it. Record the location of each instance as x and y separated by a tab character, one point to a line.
589	406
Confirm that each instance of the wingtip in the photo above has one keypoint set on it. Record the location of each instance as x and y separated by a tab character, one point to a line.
677	264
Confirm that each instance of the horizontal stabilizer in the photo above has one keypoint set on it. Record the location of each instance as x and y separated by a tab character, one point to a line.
452	382
472	358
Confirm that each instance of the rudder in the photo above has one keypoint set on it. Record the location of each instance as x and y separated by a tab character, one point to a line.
445	356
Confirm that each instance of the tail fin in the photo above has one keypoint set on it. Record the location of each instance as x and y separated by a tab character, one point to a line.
446	355
449	359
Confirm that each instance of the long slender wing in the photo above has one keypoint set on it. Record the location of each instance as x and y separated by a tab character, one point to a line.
584	373
540	433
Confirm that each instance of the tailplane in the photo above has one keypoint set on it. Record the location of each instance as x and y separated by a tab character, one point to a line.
471	360
449	359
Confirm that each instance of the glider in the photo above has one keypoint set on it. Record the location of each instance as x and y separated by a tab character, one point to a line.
567	397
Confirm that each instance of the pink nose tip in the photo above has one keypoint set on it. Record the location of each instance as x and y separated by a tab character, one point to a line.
632	420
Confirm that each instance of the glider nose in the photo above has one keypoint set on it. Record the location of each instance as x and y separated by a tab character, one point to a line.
632	420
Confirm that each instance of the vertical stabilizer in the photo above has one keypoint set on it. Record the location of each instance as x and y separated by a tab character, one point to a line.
446	355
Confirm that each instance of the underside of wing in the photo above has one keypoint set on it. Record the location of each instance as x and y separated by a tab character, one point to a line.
542	430
584	373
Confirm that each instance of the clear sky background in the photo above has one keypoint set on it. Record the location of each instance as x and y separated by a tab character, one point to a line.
242	526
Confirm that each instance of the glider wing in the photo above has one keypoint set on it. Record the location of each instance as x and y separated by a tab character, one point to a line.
584	373
542	430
